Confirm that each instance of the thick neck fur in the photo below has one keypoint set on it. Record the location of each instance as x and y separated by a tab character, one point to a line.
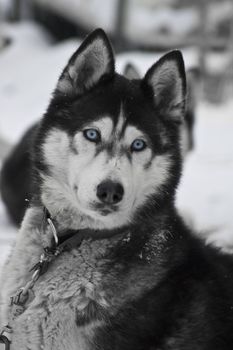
156	231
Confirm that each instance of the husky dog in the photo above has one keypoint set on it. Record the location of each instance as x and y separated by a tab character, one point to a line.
17	190
107	161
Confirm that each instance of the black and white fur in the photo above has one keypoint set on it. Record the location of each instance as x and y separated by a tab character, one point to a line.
16	191
153	286
193	78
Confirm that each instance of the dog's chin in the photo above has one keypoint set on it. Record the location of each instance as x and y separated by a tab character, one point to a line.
105	217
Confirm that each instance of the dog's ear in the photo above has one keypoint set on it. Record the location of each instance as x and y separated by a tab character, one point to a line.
92	63
131	72
166	83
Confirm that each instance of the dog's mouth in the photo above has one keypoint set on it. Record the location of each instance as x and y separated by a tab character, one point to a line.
104	209
105	212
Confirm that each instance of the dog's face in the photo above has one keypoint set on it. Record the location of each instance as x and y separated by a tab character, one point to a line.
110	146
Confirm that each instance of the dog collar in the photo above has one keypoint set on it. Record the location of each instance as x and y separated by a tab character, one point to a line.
68	238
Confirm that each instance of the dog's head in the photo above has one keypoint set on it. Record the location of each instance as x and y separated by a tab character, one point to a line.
108	147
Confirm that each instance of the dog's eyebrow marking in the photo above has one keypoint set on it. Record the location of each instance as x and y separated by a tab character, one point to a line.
131	133
104	125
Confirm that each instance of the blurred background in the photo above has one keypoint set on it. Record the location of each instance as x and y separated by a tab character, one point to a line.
38	36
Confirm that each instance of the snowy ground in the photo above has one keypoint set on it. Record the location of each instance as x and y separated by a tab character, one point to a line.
29	70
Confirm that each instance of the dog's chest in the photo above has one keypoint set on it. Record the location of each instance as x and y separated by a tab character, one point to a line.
68	303
78	294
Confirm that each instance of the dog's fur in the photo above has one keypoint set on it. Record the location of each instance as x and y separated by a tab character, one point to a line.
16	191
193	78
153	286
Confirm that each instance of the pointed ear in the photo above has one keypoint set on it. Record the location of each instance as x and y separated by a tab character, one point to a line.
92	63
166	83
131	72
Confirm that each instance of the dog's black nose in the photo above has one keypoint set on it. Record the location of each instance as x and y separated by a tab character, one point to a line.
110	192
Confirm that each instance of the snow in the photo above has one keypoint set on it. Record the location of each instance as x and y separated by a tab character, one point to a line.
206	193
29	70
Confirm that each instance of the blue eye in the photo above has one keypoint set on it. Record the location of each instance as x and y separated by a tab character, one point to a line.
138	145
92	135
